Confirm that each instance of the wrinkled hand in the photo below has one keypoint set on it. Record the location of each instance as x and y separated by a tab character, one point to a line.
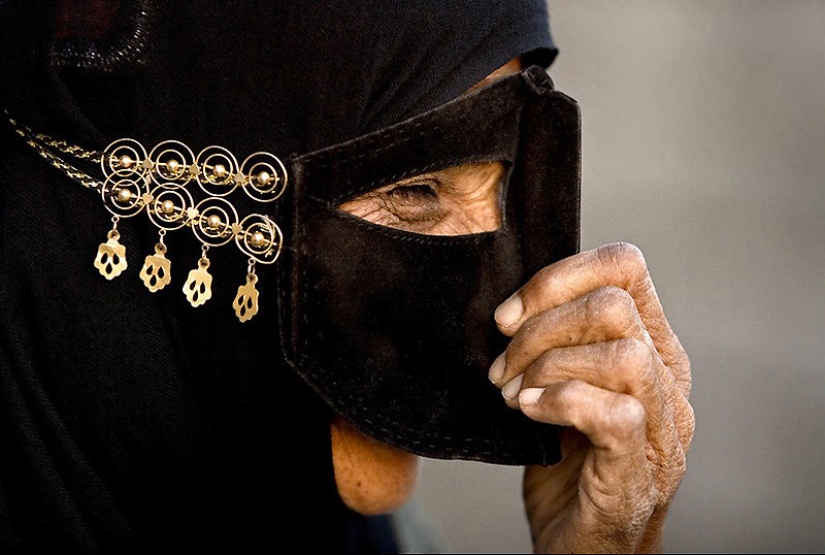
591	350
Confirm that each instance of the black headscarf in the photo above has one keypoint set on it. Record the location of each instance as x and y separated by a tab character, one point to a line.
129	422
294	76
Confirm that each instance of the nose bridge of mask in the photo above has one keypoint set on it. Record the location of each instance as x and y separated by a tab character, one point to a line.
544	210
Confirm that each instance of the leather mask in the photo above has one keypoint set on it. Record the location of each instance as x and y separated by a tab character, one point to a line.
395	329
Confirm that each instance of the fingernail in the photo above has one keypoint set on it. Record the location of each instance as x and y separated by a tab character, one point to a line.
513	387
509	312
529	396
497	369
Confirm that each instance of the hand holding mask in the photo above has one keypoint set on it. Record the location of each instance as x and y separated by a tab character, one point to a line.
592	350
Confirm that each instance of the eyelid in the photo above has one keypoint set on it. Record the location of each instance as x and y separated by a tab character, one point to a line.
442	180
457	200
425	179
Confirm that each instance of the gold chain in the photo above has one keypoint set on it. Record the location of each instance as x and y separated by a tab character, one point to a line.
70	171
65	148
41	144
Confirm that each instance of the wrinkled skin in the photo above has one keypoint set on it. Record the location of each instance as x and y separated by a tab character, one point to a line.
591	350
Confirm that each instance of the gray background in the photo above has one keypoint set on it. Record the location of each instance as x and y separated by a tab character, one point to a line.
704	144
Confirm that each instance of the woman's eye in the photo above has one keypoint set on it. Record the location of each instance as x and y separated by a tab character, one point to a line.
413	191
413	206
454	201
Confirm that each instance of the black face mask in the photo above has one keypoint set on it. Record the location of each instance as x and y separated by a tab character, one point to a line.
395	329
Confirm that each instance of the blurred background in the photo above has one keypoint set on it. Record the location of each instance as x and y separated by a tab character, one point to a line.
703	144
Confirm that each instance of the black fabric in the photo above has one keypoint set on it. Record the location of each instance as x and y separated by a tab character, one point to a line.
131	422
400	343
289	76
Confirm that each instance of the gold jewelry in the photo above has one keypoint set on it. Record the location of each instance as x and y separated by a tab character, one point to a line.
158	184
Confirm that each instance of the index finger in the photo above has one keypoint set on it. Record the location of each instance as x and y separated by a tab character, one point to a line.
618	264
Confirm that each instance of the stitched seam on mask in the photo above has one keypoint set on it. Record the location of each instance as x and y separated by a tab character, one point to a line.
341	406
518	217
402	136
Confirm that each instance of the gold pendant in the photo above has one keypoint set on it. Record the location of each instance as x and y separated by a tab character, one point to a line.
156	272
246	301
198	287
111	256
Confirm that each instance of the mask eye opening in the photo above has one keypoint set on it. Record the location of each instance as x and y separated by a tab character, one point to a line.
457	200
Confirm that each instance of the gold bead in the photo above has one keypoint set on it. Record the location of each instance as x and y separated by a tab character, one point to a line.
263	178
167	207
173	166
219	171
258	239
214	221
123	195
126	162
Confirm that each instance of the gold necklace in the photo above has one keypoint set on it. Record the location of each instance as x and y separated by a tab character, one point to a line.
157	184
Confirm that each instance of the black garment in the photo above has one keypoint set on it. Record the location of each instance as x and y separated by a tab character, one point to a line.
131	422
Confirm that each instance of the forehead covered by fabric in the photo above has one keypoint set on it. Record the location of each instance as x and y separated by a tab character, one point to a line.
480	127
252	75
395	329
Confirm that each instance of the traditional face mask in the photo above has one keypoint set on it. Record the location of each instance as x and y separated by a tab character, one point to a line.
395	329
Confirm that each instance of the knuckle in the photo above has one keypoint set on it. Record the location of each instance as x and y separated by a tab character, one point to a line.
611	307
626	257
682	366
631	353
632	358
622	252
627	419
569	393
541	370
540	281
628	253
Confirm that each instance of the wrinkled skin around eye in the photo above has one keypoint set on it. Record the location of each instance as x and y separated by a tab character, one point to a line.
454	201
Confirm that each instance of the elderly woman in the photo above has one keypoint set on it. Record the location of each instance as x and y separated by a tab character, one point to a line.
400	184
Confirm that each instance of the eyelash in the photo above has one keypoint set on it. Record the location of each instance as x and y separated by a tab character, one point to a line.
415	202
413	190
